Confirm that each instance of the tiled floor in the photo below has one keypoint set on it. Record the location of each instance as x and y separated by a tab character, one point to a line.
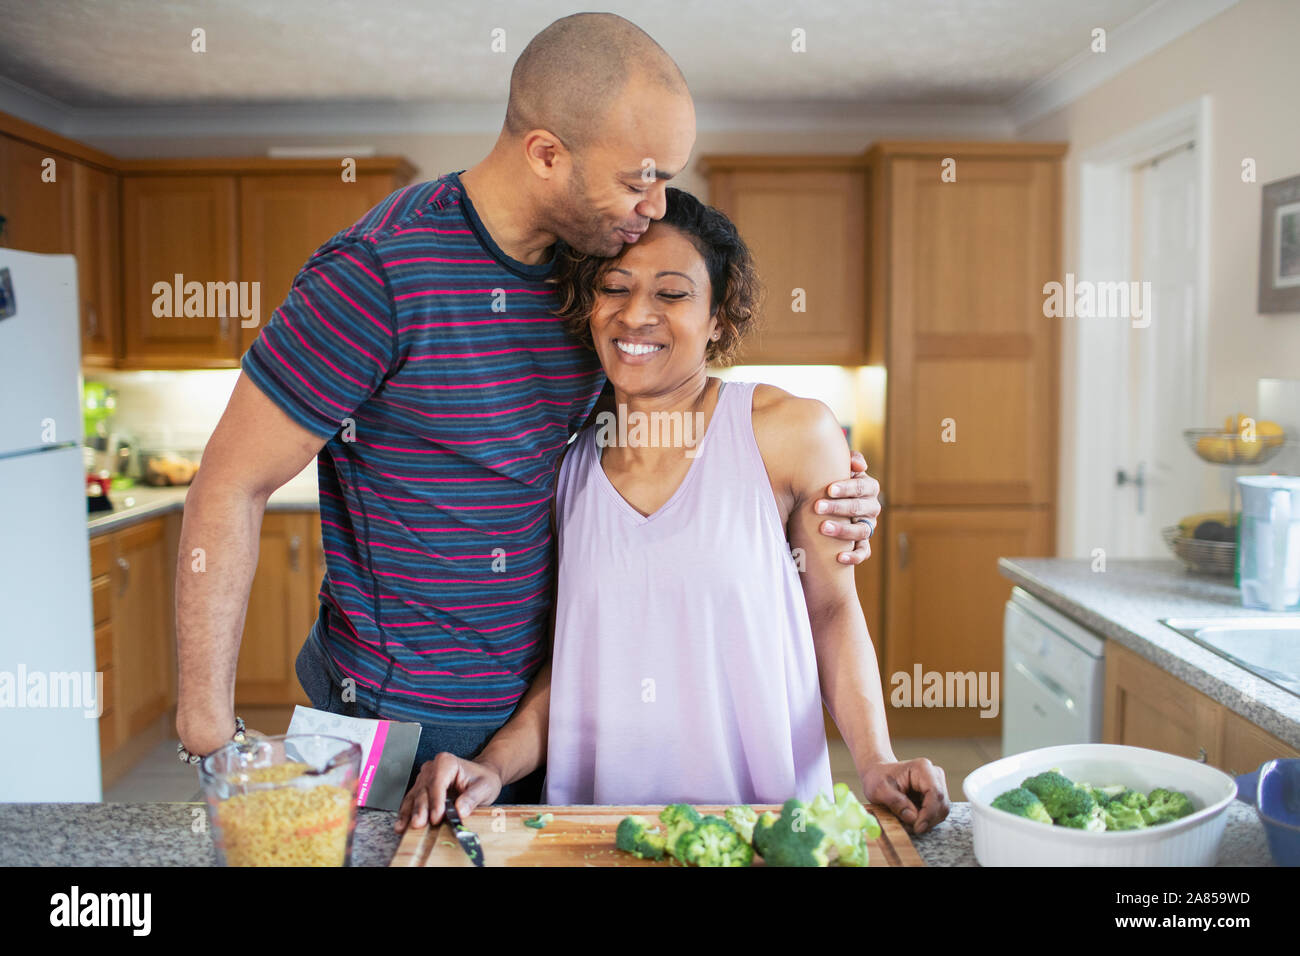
958	756
160	777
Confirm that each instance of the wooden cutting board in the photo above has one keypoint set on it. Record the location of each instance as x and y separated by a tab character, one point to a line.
584	836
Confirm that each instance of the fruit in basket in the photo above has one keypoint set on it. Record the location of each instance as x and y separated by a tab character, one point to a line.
1217	448
1209	526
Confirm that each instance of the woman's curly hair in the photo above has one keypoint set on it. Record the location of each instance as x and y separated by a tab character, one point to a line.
733	280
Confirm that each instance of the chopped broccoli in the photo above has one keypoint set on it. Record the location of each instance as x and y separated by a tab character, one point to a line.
791	839
1119	816
742	820
635	836
678	819
1166	806
1023	803
1060	795
1133	799
1092	819
712	842
539	820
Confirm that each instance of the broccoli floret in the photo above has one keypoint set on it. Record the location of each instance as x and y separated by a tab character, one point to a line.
1060	795
1133	799
636	836
1102	795
791	839
1023	803
1118	816
539	820
1165	806
742	820
678	820
712	842
848	827
1093	819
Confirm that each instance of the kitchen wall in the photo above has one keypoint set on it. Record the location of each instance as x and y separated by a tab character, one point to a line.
1245	60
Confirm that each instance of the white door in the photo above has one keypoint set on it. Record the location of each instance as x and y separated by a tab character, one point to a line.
1165	382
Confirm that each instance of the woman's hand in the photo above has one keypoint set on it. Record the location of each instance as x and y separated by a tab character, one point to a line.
915	791
857	497
475	783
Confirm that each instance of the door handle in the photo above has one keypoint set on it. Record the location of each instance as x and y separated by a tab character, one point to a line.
1137	480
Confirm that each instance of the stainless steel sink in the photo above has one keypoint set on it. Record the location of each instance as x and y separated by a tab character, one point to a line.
1266	646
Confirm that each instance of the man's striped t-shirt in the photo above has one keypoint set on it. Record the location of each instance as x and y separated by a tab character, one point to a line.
447	389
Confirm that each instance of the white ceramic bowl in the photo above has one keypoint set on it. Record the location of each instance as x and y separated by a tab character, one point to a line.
1003	839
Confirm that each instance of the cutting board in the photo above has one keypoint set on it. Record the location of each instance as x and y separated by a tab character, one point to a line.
584	836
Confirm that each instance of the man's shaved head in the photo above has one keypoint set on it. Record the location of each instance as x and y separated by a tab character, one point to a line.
572	73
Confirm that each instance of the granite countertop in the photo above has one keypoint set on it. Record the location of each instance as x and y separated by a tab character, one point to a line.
1125	603
132	505
176	834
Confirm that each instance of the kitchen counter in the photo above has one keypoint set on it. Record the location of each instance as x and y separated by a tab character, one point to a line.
164	834
132	505
1125	603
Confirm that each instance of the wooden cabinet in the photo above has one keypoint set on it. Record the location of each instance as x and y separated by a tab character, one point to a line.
281	611
143	642
285	218
972	387
237	227
37	212
178	230
1148	707
101	594
944	600
97	244
804	219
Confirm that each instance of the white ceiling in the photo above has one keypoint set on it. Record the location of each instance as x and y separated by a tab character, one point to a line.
94	53
81	66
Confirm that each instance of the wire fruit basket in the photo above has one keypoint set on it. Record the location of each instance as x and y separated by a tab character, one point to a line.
1218	558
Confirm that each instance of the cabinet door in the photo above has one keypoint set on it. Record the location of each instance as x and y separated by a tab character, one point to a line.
179	226
944	603
279	615
98	245
142	629
285	218
37	212
1147	707
807	232
971	358
101	598
1246	746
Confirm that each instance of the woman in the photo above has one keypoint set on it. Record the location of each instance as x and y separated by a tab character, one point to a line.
691	664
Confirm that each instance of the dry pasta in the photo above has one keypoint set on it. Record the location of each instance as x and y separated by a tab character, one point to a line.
286	825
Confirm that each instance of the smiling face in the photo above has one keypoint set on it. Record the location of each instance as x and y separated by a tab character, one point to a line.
605	202
651	321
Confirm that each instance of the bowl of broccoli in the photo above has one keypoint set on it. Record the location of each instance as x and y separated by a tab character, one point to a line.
1097	805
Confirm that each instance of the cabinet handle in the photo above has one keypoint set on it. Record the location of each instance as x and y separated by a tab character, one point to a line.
124	580
295	548
903	549
225	326
1202	756
92	321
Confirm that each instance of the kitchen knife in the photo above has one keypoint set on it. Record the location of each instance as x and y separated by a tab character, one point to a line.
467	838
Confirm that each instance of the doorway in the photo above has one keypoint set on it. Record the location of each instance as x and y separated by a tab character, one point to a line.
1140	376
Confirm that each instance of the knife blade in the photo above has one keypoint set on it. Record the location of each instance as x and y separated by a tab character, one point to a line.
466	837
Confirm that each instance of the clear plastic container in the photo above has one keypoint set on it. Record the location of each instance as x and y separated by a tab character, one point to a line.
283	801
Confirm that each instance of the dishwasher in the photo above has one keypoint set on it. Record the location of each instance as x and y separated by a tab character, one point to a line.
1053	676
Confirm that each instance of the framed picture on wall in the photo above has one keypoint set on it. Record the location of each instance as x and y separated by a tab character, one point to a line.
1279	247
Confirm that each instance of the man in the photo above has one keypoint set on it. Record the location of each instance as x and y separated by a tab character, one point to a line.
418	356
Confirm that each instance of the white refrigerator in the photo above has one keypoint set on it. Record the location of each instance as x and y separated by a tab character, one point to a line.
49	694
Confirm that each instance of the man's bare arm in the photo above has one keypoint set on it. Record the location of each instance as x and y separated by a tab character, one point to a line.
254	450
